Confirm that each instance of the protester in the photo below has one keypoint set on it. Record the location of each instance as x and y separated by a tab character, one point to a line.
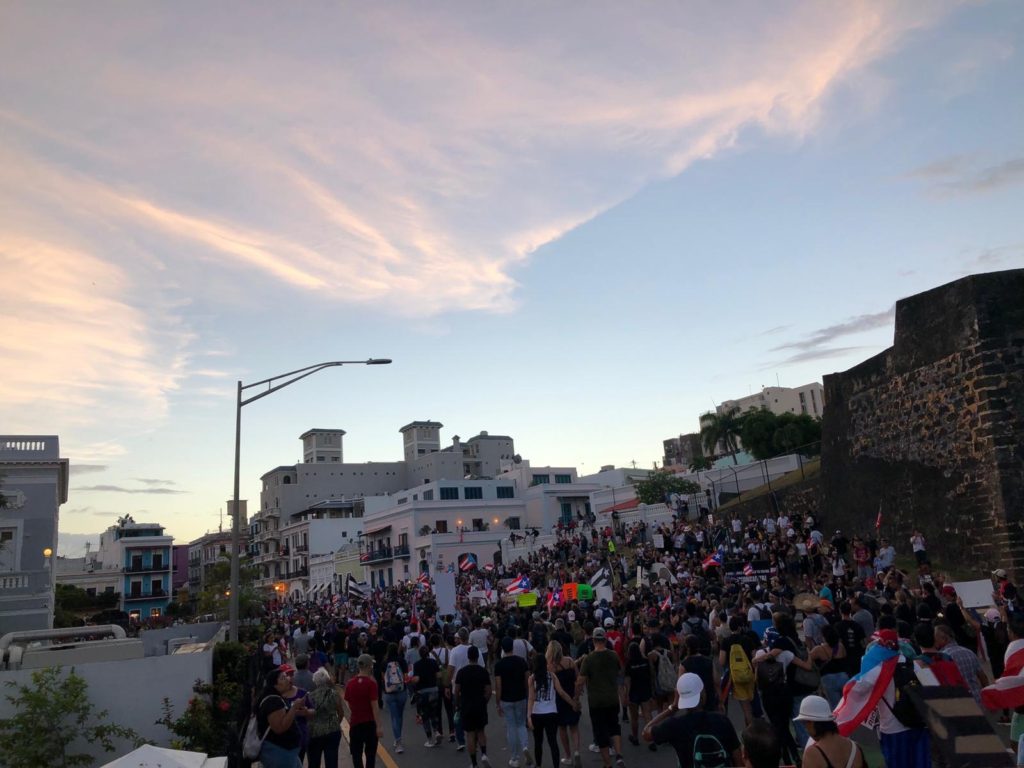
599	673
325	726
472	691
363	713
425	678
511	695
276	719
701	739
825	747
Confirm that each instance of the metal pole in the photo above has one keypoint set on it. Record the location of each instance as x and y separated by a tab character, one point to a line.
236	537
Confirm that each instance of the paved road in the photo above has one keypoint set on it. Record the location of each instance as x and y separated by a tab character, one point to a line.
445	756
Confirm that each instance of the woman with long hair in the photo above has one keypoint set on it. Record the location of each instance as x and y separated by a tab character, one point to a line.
542	711
564	671
639	690
275	718
395	697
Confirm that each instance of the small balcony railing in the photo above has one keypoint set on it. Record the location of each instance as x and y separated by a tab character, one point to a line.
155	593
148	568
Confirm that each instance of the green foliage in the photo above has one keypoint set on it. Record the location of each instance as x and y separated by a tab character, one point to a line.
721	428
660	485
53	715
214	598
765	434
71	602
700	463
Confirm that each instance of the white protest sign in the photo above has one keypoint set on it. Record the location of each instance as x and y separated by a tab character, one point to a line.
444	592
975	594
659	541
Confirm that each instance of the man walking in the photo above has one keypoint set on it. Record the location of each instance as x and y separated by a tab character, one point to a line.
458	657
472	692
701	739
365	725
510	688
598	675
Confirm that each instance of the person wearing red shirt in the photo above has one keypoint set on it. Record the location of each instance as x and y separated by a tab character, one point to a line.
363	712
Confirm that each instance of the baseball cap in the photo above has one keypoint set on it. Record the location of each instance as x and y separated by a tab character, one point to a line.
609	622
689	687
365	661
572	616
814	709
288	669
999	573
598	634
948	590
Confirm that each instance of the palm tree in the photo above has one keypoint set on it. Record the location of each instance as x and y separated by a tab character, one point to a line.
722	429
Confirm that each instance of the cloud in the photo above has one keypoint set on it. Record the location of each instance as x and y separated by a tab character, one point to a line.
122	489
402	157
817	340
154	481
73	544
819	354
962	174
86	469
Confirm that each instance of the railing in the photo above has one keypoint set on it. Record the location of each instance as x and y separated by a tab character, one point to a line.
145	595
302	548
378	555
401	551
301	573
14	581
147	568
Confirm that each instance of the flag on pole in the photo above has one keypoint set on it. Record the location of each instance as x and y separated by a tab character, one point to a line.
423	582
878	520
602	578
712	561
468	563
554	599
357	590
666	604
519	585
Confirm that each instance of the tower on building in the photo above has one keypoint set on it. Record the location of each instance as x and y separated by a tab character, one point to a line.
421	438
322	445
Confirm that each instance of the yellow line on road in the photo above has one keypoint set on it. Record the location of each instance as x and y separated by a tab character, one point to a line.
381	752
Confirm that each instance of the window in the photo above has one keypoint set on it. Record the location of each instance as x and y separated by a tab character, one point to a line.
473	492
158	586
428	495
441	526
512	523
136	589
566	512
136	562
478	523
506	492
158	562
449	494
541	480
154	611
403	500
108	590
563	479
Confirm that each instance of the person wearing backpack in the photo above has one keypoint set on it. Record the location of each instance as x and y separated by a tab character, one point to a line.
699	663
700	739
395	696
777	700
736	655
275	721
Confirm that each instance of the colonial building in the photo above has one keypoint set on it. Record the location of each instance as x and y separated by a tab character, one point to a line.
33	485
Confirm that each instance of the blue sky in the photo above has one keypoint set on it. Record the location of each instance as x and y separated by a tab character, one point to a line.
577	224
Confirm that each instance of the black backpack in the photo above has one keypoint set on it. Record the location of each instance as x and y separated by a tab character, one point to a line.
771	675
704	636
907	688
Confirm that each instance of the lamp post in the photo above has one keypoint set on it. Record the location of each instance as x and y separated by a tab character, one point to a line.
285	379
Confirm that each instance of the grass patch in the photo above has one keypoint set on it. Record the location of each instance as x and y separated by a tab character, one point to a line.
811	469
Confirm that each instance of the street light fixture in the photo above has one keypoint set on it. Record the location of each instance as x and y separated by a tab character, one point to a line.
285	379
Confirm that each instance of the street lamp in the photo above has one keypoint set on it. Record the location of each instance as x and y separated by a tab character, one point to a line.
285	379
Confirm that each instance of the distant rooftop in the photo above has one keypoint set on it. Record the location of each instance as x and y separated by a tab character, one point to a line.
29	447
414	424
320	430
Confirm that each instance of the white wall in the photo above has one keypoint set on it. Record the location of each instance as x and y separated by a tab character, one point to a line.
132	692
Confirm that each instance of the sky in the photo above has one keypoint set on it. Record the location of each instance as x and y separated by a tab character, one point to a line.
578	224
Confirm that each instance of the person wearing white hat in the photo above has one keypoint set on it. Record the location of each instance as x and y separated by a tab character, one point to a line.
826	748
698	737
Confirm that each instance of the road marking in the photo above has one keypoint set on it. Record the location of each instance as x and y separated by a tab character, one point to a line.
382	753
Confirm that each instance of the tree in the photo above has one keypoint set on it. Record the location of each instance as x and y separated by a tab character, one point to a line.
758	433
214	597
700	463
722	428
659	486
53	715
766	434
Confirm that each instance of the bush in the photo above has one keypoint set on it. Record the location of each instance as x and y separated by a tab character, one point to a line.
53	714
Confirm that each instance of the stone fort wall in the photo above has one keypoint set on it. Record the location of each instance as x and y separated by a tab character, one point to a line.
931	431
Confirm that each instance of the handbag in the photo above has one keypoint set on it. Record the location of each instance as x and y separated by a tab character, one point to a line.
252	742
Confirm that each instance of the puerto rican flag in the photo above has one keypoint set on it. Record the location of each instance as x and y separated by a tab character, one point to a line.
748	570
468	563
712	561
554	599
489	567
1008	691
666	604
519	585
863	692
423	582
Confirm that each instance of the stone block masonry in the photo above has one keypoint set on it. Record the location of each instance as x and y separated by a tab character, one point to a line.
932	430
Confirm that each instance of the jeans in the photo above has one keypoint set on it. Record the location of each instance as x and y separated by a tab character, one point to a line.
273	756
833	687
362	738
515	726
395	702
327	746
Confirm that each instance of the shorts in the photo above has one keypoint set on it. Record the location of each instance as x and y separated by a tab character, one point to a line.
605	723
341	659
475	720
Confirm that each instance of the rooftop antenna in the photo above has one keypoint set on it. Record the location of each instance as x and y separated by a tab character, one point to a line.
777	381
220	525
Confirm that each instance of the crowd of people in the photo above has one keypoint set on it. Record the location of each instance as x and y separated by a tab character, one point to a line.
812	636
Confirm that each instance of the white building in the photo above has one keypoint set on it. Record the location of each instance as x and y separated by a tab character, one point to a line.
808	399
33	483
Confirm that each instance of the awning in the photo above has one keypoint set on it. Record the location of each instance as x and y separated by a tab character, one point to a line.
385	529
622	506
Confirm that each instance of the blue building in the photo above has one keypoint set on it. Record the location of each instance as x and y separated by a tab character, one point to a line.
144	556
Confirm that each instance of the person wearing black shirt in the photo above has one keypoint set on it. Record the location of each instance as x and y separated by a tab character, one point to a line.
700	665
701	739
472	692
851	635
428	700
510	672
276	719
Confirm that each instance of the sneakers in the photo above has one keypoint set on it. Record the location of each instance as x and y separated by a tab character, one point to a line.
528	756
619	762
485	761
430	743
460	747
634	740
594	748
451	738
399	749
565	761
513	763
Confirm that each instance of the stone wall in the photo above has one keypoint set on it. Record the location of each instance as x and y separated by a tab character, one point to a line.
795	500
931	431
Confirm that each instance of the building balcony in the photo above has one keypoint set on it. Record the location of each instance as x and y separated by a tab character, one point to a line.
302	548
379	555
163	568
152	595
300	573
402	550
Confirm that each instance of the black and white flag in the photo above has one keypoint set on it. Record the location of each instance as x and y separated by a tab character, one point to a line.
357	590
602	578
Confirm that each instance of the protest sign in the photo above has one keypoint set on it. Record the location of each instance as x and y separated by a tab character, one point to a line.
975	594
527	599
